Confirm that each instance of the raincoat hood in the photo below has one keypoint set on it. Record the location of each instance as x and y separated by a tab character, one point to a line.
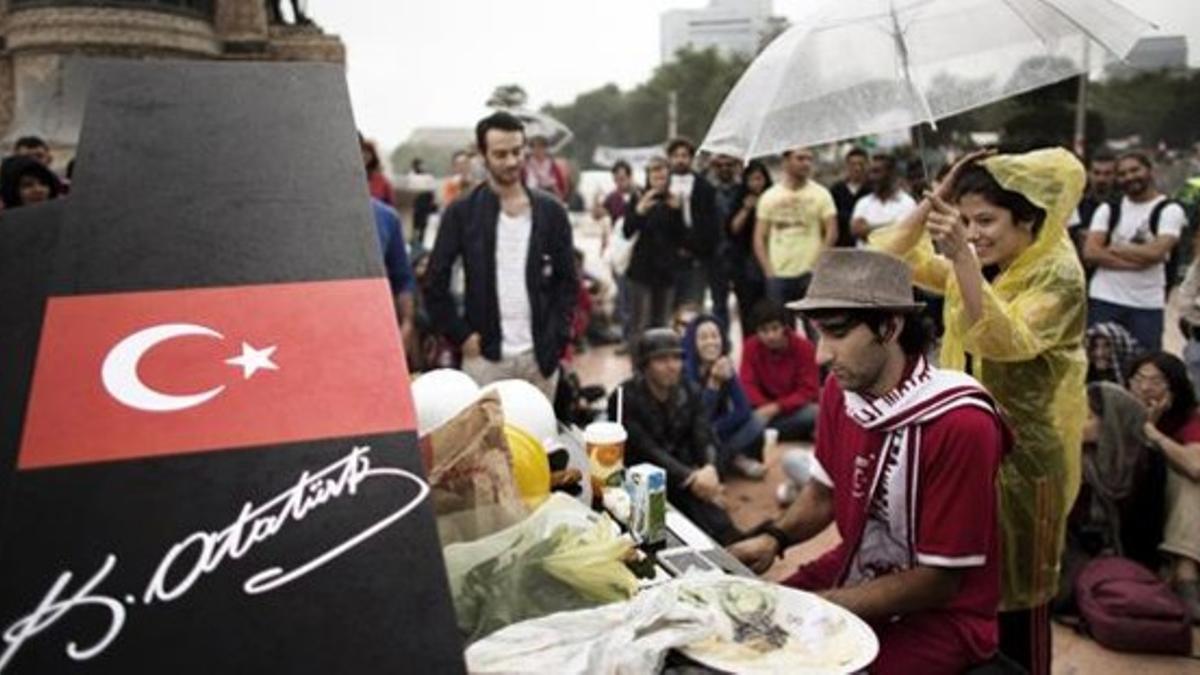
1053	180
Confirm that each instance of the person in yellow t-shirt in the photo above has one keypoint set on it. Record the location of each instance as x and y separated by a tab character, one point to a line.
796	220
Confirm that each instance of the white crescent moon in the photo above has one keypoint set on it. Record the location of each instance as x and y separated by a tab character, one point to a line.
120	377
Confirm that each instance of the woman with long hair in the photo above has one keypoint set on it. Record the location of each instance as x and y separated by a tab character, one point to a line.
707	364
1015	310
1160	381
749	284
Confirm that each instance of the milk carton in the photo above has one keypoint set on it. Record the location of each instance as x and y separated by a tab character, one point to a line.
647	487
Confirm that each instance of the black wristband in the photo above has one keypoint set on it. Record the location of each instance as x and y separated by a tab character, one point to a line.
770	529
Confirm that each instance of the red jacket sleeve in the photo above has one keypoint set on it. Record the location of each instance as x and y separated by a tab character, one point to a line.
808	375
748	374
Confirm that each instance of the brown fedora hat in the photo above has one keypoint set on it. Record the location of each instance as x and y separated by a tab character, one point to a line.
847	278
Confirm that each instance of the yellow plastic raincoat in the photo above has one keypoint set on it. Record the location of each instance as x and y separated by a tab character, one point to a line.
1027	350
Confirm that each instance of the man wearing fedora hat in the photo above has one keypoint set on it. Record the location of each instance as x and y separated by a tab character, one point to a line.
905	464
668	425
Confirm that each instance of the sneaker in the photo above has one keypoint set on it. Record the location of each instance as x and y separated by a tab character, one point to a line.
749	467
785	494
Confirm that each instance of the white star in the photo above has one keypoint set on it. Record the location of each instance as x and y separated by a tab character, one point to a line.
253	360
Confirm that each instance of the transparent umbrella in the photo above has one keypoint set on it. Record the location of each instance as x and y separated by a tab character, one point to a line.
853	68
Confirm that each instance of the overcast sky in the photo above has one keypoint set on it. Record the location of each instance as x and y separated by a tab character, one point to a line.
418	63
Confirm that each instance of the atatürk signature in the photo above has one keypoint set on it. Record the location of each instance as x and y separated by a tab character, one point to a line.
203	552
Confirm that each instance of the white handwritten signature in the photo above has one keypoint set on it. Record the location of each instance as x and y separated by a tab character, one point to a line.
203	552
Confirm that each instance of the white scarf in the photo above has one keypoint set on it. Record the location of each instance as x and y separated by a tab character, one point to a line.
889	480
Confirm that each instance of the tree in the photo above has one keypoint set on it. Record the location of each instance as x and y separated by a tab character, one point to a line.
608	116
508	96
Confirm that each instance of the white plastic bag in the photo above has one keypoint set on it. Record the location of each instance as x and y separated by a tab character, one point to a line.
626	638
620	248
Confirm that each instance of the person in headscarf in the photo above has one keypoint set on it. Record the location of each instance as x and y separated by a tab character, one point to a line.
1115	461
25	181
1015	314
1110	349
707	364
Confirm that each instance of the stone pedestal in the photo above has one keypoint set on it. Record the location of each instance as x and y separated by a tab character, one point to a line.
42	95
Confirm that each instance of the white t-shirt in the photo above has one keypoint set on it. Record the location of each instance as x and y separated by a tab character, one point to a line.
516	313
1142	289
879	213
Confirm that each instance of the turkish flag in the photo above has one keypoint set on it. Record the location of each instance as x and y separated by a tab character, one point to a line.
131	375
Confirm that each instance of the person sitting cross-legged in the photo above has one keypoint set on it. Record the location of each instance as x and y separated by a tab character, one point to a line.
707	365
779	373
668	426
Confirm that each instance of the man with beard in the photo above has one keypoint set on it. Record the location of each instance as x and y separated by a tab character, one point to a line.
1129	241
796	220
848	191
517	257
905	464
1101	189
885	204
698	203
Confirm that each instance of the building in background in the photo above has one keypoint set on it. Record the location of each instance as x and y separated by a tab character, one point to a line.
733	27
42	86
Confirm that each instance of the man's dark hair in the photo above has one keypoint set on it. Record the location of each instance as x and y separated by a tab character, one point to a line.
681	142
857	152
1102	156
913	338
1137	156
976	180
504	121
888	160
30	142
622	165
769	311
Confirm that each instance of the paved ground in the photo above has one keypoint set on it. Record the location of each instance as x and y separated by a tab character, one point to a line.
751	502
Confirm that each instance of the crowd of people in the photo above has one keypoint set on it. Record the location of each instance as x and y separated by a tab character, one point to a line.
978	363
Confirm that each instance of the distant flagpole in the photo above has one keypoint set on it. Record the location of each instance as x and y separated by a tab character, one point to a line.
1081	102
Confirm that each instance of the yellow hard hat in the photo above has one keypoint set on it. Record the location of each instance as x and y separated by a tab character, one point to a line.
531	466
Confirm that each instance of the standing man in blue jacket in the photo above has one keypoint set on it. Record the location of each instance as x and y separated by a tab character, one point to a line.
516	250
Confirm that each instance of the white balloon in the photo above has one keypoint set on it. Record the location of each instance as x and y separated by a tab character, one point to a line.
441	394
526	407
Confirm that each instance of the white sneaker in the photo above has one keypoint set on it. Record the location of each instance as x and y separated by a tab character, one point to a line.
785	494
749	467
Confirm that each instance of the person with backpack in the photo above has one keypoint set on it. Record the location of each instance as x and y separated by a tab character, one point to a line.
1130	242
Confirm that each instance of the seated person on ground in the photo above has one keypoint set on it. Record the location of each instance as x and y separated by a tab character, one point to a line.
1121	481
708	367
779	373
667	426
906	462
1110	350
1160	381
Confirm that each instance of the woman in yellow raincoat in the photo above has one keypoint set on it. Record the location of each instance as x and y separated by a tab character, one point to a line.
1015	315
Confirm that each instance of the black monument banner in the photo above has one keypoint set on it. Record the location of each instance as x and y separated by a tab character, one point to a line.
209	456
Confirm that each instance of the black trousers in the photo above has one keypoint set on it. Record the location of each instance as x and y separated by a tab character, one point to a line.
1025	638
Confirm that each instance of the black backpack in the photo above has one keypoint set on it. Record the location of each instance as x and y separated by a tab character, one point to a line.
1171	267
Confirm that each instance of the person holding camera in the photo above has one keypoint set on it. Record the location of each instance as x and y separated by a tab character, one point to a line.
656	219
